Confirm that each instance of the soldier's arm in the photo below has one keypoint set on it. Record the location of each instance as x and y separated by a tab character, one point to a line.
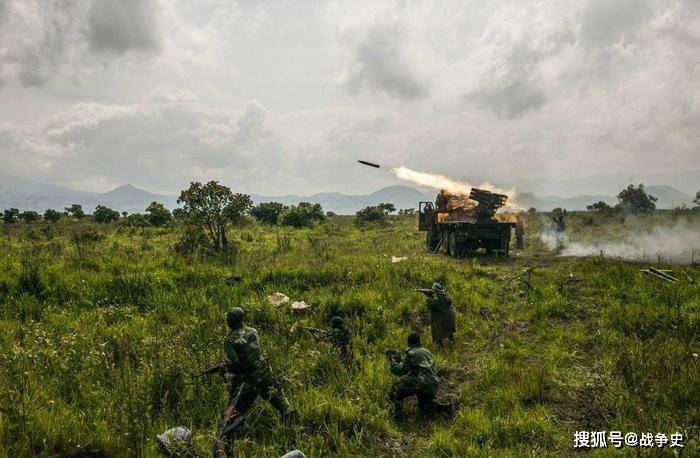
231	354
399	366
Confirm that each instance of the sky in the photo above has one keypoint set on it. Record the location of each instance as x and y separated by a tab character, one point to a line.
283	97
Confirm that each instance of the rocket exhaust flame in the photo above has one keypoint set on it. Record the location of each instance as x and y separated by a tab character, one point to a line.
451	185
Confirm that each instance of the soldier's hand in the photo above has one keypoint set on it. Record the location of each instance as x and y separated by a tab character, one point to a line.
230	413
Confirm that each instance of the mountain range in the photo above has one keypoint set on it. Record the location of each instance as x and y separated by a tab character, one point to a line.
30	195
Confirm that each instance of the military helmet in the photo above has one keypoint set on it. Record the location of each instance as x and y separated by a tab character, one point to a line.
234	316
413	339
336	322
438	287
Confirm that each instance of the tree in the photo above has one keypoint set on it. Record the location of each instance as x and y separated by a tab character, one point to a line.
158	215
214	208
407	212
377	214
52	216
636	200
104	214
10	215
532	210
601	207
388	208
303	215
179	214
268	212
697	198
29	216
76	211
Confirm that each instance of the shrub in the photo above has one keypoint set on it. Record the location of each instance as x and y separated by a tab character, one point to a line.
303	215
268	212
52	216
158	215
104	214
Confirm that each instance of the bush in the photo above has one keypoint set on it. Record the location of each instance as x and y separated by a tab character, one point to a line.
52	216
268	212
29	216
376	214
104	214
158	215
303	215
636	200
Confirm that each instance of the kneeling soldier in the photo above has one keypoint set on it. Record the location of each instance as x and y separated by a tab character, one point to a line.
418	366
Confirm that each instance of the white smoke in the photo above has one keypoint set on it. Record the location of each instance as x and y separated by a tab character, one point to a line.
451	185
678	244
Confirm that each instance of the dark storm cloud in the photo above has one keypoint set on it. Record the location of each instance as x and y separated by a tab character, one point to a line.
380	65
42	40
122	26
510	101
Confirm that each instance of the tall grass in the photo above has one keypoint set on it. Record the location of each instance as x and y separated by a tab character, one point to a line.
101	328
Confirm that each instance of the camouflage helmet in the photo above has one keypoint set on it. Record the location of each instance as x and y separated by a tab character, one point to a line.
438	287
234	316
336	322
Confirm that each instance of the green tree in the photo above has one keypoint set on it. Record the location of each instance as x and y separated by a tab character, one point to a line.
601	207
179	214
52	215
697	198
158	215
268	212
636	200
388	208
214	208
303	215
76	211
104	214
10	215
376	214
29	216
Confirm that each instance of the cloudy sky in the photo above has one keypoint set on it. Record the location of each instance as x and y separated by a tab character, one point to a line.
283	96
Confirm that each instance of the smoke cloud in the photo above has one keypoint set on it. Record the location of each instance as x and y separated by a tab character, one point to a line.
451	185
677	244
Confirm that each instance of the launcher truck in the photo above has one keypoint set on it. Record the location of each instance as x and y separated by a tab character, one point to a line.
460	225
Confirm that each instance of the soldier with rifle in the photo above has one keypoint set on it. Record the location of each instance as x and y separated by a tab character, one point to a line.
420	378
443	317
253	377
339	336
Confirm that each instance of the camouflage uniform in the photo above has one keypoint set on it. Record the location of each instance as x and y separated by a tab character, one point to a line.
443	318
341	339
421	379
252	371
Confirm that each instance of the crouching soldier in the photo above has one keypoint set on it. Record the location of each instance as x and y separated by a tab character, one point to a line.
418	367
253	375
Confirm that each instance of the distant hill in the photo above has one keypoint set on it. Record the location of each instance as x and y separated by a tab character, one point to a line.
26	194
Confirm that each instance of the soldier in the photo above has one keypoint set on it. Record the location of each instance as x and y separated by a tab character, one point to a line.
519	233
418	366
443	317
253	375
339	336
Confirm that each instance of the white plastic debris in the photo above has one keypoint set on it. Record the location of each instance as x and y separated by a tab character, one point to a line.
301	305
278	299
395	259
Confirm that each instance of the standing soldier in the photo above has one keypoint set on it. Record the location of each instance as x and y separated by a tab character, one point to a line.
253	375
418	366
443	317
519	233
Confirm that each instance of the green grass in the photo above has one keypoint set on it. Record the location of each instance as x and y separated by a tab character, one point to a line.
98	340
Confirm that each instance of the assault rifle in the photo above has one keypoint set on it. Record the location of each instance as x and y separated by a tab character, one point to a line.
319	334
216	369
393	354
428	292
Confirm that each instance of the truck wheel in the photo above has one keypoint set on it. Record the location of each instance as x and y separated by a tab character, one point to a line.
446	242
454	251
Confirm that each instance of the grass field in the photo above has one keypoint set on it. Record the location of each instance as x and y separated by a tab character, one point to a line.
98	339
